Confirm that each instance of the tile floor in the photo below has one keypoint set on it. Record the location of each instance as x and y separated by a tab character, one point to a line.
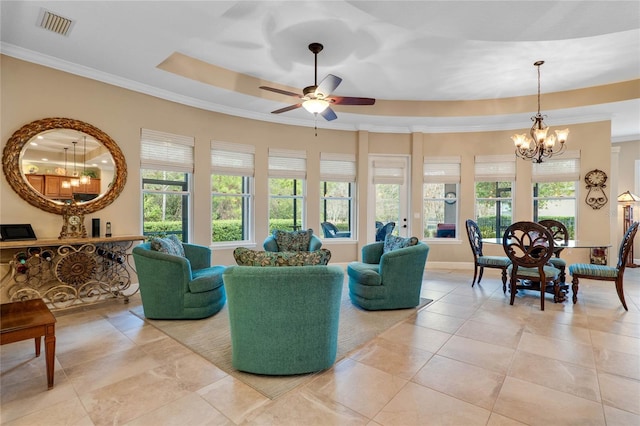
469	358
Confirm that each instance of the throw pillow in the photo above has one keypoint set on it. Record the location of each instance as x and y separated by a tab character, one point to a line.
170	245
248	257
293	240
392	242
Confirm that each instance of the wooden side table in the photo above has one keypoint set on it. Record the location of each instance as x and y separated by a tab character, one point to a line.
30	319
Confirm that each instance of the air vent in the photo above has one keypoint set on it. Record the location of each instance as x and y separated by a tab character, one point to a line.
56	23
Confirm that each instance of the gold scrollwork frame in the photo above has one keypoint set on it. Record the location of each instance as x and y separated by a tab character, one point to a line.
12	169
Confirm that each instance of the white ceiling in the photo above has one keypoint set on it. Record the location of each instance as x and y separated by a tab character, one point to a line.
388	50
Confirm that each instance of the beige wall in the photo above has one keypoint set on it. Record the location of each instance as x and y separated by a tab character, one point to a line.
31	92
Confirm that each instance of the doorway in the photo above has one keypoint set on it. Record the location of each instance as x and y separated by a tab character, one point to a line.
389	196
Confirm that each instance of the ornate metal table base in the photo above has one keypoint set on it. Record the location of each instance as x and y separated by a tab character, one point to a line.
70	274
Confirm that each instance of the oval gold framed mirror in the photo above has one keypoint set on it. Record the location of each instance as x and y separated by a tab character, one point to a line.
23	174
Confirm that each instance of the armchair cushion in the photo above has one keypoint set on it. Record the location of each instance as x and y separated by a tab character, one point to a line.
247	257
294	240
391	242
170	245
206	279
365	273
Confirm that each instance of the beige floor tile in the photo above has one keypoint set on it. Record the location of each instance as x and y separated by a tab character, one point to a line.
538	405
563	350
486	355
396	359
307	409
498	315
616	417
419	337
469	383
357	386
233	398
551	328
419	405
615	342
620	392
89	347
165	350
33	396
618	363
505	335
608	325
131	398
70	412
145	334
109	369
436	321
554	374
500	420
451	309
189	410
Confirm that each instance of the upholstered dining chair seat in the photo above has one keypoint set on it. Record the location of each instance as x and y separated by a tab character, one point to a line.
501	261
550	272
593	270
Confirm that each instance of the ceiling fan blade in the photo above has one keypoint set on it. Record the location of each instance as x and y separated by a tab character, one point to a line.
285	109
280	91
328	85
347	100
329	114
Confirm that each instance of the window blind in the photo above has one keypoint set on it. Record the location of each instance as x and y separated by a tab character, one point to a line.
287	163
495	168
441	170
337	167
166	151
388	171
232	159
566	168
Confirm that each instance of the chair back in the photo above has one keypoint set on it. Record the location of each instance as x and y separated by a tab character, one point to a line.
329	229
528	244
385	230
558	230
475	238
625	247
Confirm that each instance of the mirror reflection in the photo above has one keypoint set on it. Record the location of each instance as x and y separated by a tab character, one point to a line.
66	164
46	164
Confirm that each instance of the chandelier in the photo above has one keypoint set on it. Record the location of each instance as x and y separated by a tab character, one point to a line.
539	145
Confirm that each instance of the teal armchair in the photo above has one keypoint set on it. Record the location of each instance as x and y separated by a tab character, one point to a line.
391	280
283	319
176	287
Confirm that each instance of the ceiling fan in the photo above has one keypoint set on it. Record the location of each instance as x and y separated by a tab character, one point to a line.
316	99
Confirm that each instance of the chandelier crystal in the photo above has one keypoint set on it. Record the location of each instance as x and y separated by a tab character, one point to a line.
538	144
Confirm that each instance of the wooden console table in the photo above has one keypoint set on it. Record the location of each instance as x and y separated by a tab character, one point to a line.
30	319
69	272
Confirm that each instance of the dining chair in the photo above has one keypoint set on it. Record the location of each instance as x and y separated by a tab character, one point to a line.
604	272
529	246
480	261
560	235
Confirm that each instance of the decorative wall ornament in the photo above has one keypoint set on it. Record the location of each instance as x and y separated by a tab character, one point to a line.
596	197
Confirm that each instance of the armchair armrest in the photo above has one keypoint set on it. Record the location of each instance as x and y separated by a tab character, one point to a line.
372	253
199	256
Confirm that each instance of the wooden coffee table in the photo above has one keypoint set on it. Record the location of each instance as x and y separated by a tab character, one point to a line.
26	320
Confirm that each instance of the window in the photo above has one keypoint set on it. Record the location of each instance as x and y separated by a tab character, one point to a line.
166	163
287	174
441	177
555	183
494	176
390	194
337	186
232	171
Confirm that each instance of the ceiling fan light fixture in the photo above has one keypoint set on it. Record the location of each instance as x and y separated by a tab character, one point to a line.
315	106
